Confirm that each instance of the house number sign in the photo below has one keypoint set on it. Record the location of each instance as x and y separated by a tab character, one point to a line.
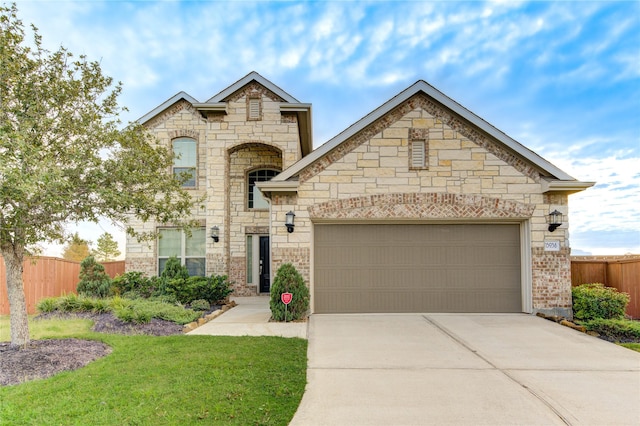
552	246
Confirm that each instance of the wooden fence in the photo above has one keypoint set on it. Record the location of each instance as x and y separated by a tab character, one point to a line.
48	277
619	272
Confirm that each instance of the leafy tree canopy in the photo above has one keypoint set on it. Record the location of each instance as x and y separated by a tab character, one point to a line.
76	249
66	157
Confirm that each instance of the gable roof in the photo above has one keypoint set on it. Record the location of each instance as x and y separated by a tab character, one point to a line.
166	104
218	103
252	76
553	172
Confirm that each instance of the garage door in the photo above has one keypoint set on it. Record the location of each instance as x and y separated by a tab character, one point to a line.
417	268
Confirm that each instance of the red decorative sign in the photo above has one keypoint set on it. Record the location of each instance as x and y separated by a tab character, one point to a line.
286	298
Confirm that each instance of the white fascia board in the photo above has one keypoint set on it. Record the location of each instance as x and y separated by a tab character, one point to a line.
220	97
271	186
565	186
166	104
217	106
422	86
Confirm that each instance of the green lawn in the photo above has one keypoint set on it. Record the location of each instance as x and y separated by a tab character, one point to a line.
633	346
175	380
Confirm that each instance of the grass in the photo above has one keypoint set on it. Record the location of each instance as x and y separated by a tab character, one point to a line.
50	328
174	380
632	346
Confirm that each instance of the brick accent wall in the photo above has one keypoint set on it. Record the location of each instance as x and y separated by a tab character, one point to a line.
299	257
551	276
420	205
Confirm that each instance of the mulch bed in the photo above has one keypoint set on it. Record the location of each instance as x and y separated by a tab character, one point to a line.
45	358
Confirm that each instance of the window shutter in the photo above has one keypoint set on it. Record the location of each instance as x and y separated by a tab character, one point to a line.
417	154
254	109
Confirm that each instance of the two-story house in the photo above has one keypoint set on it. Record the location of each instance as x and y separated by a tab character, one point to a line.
421	206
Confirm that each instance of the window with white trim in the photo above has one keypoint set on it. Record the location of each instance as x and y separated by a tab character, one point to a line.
190	249
255	200
185	159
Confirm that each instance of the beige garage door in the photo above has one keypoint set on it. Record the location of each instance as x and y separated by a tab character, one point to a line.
417	268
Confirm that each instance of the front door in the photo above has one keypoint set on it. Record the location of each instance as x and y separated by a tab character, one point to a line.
264	266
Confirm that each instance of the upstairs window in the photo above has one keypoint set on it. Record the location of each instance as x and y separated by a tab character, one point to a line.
255	200
185	160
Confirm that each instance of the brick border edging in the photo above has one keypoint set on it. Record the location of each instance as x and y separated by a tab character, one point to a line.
209	317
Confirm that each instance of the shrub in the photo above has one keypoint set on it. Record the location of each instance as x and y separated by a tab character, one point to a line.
48	304
212	289
134	284
94	282
174	269
289	280
218	288
616	330
164	311
70	303
591	301
200	305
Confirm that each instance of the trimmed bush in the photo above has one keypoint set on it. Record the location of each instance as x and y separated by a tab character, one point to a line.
200	305
174	269
592	301
135	284
615	330
212	289
94	282
289	280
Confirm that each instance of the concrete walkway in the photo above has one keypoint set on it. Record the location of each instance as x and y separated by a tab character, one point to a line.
250	318
455	369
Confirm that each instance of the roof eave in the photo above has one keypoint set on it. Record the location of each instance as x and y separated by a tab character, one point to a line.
166	104
566	186
221	96
303	112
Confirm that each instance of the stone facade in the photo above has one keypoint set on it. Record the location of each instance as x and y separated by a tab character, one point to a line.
230	145
468	174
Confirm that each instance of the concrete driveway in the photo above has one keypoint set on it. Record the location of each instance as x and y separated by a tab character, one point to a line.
436	369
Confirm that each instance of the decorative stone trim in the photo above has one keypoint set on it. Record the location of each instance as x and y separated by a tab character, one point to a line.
255	90
215	117
256	230
289	118
254	144
420	206
172	110
180	133
436	110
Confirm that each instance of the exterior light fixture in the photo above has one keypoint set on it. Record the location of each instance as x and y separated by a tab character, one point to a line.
555	220
289	221
215	234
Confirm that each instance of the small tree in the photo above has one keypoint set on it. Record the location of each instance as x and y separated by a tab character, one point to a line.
94	281
76	249
107	249
289	280
65	157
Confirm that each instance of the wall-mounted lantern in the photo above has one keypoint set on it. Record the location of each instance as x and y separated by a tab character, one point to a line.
289	221
215	234
554	219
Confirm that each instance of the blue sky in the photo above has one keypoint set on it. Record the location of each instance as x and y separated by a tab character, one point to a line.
562	78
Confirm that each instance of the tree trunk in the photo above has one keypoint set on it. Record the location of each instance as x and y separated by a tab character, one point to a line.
13	262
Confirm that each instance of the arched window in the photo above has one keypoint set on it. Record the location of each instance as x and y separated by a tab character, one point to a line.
185	160
255	200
